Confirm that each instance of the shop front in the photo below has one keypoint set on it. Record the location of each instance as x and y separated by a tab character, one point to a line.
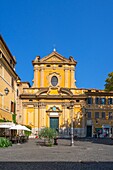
107	130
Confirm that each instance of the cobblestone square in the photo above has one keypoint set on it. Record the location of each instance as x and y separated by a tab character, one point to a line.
89	153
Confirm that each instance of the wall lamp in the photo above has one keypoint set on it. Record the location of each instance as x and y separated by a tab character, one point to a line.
6	90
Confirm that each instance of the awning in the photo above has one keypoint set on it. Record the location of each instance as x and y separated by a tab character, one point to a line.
106	126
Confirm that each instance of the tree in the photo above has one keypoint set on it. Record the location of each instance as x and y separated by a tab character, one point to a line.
109	82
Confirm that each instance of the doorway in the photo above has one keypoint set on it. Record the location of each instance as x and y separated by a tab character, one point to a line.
89	131
54	122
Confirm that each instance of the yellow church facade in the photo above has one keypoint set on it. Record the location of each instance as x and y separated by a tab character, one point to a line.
48	102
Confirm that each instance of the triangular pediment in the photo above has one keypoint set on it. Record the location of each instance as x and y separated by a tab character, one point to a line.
54	109
54	57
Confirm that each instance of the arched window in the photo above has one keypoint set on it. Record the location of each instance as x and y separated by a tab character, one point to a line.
54	81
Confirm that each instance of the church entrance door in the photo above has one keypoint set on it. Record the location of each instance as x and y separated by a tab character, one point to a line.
54	122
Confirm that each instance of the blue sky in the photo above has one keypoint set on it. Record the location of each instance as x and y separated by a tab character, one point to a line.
79	28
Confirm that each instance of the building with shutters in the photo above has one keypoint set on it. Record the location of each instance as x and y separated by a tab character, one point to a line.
8	83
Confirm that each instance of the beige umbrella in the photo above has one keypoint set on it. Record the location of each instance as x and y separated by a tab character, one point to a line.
5	126
4	129
27	129
20	127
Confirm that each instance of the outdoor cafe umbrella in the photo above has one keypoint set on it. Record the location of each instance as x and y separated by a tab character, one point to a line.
20	127
25	128
4	127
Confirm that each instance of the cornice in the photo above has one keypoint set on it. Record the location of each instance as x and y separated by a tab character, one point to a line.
54	62
53	97
7	49
99	93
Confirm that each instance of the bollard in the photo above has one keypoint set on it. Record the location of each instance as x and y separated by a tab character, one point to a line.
55	141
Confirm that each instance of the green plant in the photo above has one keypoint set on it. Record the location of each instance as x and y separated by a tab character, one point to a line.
14	118
5	142
28	133
48	134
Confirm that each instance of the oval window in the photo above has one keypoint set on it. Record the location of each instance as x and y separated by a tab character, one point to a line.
54	81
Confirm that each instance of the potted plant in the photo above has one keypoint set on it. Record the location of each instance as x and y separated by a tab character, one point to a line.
48	134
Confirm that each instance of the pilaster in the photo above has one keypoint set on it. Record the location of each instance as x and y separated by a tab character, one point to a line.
42	116
66	76
24	115
42	76
36	76
72	77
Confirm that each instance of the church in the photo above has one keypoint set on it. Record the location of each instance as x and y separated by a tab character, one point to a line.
54	100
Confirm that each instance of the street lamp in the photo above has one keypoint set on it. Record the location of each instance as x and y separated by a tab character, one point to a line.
71	110
84	119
